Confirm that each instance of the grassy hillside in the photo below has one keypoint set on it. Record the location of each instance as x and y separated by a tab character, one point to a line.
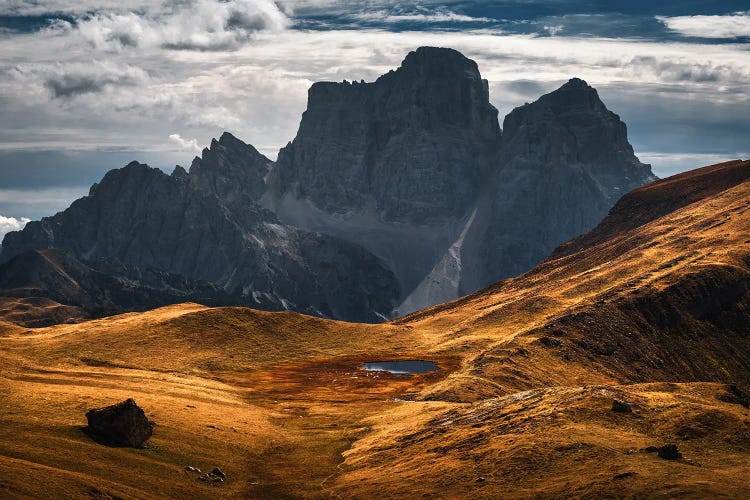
652	307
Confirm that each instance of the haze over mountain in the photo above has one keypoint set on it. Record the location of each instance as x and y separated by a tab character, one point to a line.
395	195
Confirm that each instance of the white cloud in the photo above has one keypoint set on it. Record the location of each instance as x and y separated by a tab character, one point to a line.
440	16
727	26
192	25
9	224
667	164
186	145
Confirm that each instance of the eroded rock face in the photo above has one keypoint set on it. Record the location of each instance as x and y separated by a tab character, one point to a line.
52	274
122	424
411	147
230	169
564	162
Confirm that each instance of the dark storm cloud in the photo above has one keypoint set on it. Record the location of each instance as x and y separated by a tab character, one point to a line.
73	85
71	80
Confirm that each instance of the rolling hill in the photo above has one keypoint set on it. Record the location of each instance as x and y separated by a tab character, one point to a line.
651	308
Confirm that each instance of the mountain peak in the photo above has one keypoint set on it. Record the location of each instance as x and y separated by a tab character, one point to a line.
135	164
351	144
229	168
228	139
576	83
179	172
574	95
439	62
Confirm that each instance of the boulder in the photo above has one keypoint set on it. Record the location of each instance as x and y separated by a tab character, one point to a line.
122	424
669	452
621	406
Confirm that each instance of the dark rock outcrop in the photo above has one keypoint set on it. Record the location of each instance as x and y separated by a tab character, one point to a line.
564	162
122	424
232	170
54	275
621	406
669	452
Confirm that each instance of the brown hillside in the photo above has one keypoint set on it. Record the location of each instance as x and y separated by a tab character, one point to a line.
652	307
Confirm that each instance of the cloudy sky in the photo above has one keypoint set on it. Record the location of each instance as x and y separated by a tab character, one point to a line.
89	85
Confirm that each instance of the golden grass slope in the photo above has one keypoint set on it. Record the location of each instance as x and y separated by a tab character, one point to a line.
657	314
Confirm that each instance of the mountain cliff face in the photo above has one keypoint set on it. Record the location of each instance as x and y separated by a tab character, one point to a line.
415	168
138	219
564	162
88	293
394	195
232	170
411	147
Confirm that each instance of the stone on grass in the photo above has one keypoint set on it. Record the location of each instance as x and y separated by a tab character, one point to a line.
669	452
621	406
122	424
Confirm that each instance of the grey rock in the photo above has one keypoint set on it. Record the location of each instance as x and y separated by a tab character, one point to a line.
232	170
56	275
669	452
564	162
122	424
621	407
414	168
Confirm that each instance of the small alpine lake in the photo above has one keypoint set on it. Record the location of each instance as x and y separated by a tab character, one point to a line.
408	367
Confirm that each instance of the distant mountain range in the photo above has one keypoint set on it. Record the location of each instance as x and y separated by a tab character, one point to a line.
395	195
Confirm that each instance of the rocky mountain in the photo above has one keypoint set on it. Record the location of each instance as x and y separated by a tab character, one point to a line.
415	168
232	170
564	162
138	221
395	195
411	147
